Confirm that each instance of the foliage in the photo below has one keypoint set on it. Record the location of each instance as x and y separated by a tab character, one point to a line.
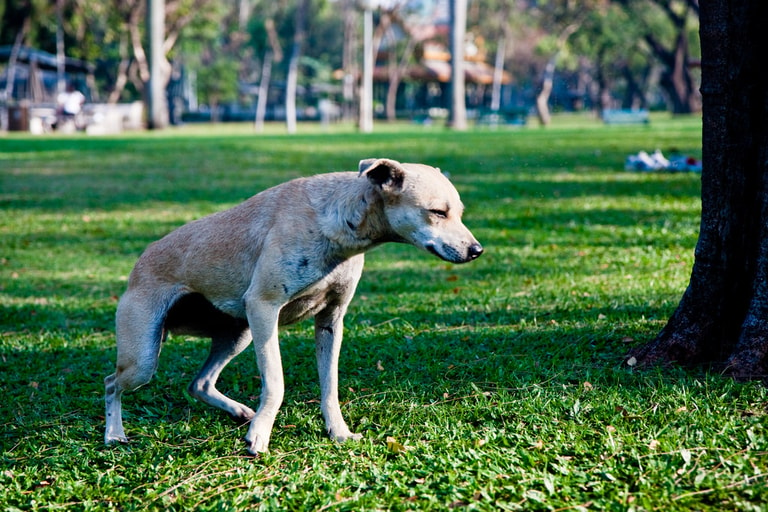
493	385
610	46
217	82
325	32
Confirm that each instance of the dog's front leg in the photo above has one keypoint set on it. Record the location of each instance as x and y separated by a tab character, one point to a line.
328	335
262	318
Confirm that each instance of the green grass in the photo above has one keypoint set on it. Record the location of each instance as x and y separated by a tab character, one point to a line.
494	385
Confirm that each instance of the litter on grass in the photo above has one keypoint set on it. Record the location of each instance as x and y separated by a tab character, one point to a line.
656	161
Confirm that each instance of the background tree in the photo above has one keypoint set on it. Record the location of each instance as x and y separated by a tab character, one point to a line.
299	36
216	50
622	52
723	315
670	31
621	67
267	44
458	19
394	33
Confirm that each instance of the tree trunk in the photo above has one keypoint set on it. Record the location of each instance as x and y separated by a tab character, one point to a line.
458	111
293	65
676	80
722	318
542	99
11	73
396	73
122	72
349	60
498	72
633	96
159	70
261	102
273	54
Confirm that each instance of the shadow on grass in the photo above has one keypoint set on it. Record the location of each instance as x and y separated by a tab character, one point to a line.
64	386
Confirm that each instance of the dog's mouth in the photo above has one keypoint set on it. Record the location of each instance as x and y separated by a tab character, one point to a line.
453	256
431	248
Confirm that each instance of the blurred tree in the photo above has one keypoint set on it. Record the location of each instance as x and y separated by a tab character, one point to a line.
670	31
394	32
217	51
620	50
271	51
180	15
299	36
217	81
457	119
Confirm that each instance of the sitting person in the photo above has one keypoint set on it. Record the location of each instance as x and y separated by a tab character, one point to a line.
69	104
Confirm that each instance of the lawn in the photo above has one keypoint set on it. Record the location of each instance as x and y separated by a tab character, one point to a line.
496	385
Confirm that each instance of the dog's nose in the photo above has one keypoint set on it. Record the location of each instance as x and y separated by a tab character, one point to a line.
475	250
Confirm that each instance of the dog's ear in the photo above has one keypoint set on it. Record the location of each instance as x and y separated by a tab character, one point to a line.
385	173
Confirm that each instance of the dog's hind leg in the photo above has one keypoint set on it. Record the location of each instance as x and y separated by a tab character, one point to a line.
139	329
224	348
328	335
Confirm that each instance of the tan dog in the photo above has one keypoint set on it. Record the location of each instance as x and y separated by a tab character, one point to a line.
289	253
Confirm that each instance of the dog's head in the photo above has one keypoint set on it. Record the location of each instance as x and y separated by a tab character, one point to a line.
423	208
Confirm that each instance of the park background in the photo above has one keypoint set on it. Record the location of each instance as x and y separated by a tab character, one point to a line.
344	60
501	384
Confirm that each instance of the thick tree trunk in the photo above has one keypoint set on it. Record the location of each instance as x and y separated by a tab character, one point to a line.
723	315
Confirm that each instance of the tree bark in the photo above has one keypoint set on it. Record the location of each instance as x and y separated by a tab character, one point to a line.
722	318
273	54
261	102
157	79
17	43
458	112
542	99
299	35
396	72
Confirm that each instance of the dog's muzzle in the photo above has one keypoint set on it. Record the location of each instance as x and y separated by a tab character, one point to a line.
452	255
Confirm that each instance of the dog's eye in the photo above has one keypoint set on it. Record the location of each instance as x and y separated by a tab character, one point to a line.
439	213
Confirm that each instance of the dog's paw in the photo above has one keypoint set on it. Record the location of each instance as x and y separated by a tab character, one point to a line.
342	437
112	439
258	445
243	414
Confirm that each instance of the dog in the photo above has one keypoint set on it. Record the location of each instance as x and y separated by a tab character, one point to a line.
289	253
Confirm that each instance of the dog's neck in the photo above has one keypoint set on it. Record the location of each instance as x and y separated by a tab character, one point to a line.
354	219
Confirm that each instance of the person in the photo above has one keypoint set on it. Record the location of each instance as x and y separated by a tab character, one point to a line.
69	104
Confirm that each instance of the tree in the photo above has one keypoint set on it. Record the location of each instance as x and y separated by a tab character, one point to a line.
622	68
179	15
272	53
157	78
458	15
542	98
723	316
299	35
667	27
